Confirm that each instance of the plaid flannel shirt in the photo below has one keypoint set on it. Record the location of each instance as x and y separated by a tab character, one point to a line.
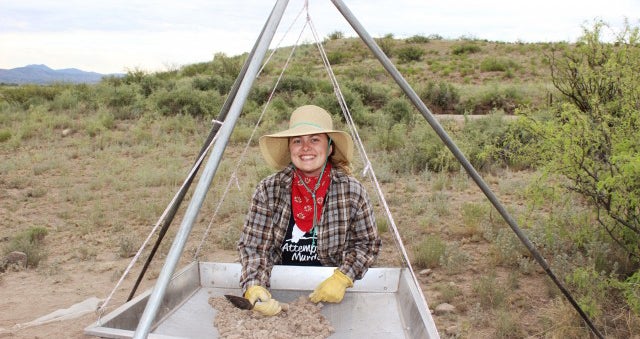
347	231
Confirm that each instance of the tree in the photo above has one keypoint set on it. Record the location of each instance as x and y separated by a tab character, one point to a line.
594	138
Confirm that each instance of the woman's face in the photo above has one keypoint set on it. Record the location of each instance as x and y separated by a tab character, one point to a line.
309	152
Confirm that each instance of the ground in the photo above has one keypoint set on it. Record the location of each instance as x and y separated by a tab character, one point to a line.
78	190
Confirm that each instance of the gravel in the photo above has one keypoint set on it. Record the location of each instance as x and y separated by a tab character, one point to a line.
303	320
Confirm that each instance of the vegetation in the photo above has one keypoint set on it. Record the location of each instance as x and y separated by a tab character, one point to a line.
558	140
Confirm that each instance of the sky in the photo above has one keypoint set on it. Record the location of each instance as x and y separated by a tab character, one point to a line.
116	36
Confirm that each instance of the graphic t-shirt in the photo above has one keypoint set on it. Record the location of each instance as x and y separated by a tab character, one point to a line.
299	248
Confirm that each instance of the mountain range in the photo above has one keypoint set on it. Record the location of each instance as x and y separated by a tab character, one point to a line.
41	74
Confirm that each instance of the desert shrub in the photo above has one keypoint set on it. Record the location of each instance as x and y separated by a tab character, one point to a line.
493	97
473	215
465	48
196	69
337	57
30	242
410	53
226	66
490	291
386	45
67	99
184	100
591	288
493	64
441	97
391	139
429	251
374	95
5	135
149	84
30	95
593	139
418	39
631	291
127	246
482	139
335	35
454	259
121	96
296	83
519	147
400	111
329	102
425	152
215	82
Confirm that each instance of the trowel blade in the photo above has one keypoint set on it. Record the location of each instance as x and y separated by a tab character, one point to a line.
239	302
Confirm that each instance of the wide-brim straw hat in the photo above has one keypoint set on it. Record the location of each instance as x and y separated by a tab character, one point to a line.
305	120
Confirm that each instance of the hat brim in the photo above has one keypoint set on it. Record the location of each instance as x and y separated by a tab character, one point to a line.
275	147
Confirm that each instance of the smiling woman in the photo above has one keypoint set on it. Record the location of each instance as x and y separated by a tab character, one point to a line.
310	213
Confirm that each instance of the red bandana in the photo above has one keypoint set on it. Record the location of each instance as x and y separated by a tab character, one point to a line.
302	197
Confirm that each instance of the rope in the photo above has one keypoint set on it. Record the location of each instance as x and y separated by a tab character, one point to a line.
135	258
367	163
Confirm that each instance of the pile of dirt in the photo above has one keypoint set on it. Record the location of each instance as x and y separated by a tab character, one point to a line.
302	320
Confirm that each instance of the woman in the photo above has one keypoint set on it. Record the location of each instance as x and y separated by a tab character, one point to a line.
311	212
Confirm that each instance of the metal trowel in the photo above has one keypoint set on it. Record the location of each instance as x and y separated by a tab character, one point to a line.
245	304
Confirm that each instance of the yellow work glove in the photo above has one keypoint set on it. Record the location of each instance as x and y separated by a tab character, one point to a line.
262	301
257	292
331	289
268	308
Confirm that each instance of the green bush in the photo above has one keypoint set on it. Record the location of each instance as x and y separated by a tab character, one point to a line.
30	242
186	101
493	64
121	96
429	251
465	48
196	69
418	39
296	83
593	139
5	135
410	53
337	57
215	82
372	94
441	97
226	66
67	99
400	110
493	97
29	95
631	292
335	35
386	45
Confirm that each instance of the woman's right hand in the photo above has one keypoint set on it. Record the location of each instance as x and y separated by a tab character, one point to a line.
257	292
261	300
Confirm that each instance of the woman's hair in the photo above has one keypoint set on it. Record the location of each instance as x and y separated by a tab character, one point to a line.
341	164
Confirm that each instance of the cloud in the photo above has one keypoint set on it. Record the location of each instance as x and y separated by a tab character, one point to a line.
110	36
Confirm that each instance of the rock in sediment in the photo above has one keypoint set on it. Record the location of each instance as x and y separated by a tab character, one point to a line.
425	272
445	308
16	258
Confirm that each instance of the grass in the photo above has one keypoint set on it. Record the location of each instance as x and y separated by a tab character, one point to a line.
112	178
31	243
429	251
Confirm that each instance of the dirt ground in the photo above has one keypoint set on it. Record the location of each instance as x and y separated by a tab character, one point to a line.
82	262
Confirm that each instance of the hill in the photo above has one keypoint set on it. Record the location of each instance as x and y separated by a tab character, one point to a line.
42	74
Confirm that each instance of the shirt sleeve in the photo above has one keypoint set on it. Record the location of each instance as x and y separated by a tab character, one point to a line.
256	241
363	242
